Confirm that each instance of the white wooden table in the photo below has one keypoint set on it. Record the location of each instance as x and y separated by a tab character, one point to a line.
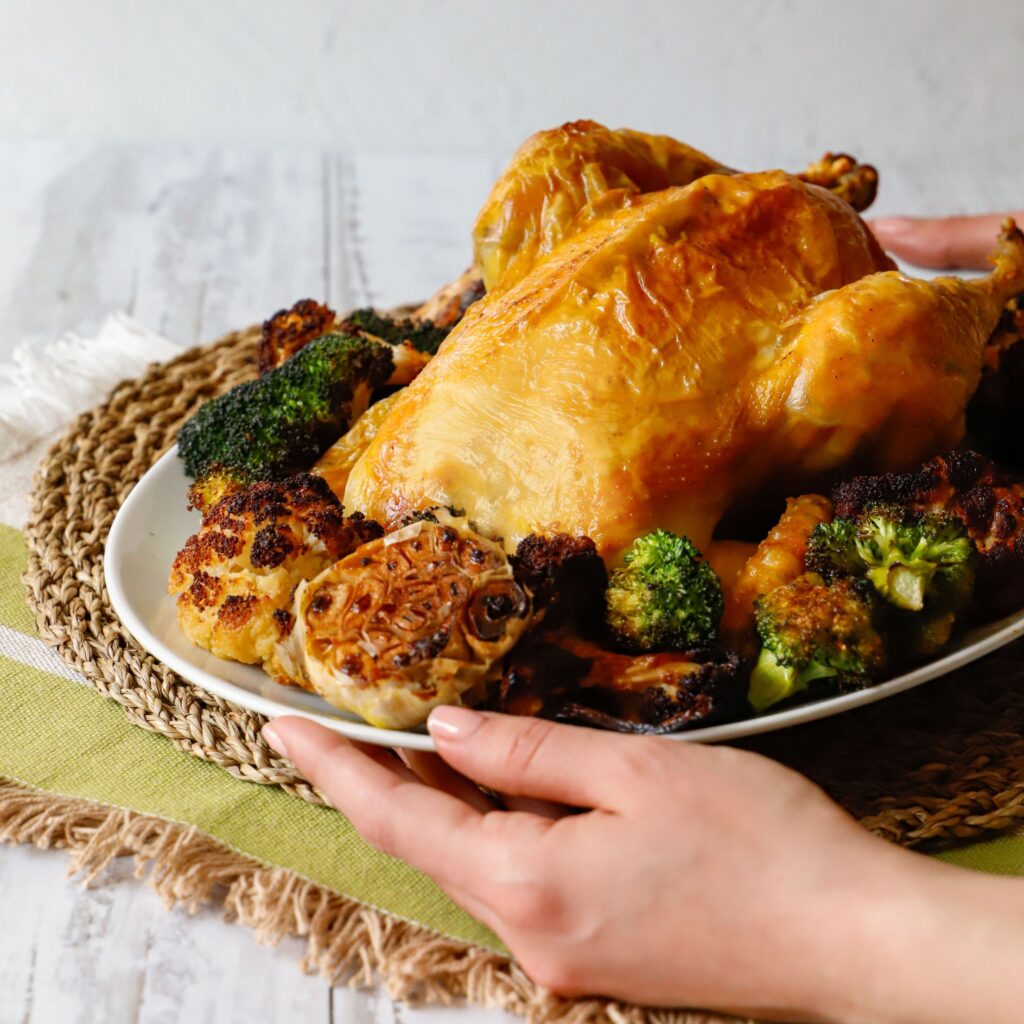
193	244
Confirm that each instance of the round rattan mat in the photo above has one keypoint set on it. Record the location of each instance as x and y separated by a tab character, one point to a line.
943	761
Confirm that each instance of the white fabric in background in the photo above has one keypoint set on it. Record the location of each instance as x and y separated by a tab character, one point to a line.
44	387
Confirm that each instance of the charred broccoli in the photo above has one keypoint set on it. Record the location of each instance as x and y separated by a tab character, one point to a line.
910	558
269	428
290	330
968	487
812	630
665	596
423	335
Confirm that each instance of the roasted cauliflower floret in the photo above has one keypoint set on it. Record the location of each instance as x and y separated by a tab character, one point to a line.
418	618
236	577
288	330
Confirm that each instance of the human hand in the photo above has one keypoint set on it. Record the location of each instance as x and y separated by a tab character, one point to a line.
698	875
942	242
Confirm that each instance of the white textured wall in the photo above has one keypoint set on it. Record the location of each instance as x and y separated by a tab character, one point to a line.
907	84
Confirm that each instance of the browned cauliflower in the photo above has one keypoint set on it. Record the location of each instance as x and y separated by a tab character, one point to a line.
235	578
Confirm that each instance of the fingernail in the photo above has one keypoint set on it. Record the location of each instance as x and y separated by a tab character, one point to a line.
273	737
892	225
454	723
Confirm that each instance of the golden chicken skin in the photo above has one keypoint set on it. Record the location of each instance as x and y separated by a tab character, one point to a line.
740	335
609	391
562	178
558	173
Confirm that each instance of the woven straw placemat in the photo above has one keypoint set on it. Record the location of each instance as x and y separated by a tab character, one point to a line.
940	762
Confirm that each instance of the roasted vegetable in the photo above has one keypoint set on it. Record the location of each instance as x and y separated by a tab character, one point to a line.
559	675
288	330
235	577
423	335
994	415
280	423
665	596
910	558
412	341
968	487
421	617
779	559
928	489
566	577
812	630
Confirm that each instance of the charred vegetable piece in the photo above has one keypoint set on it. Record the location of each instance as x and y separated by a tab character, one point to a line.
909	558
288	330
968	487
423	335
559	675
567	578
235	577
779	559
280	423
812	630
420	617
930	488
994	419
665	596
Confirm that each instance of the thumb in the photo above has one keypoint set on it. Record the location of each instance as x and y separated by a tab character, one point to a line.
524	756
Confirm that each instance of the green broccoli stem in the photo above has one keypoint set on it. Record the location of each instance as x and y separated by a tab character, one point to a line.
903	585
771	681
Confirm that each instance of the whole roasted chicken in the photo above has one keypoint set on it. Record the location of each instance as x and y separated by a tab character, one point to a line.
664	342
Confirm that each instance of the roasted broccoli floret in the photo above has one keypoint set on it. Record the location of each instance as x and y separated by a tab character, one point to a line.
279	424
423	335
665	596
290	330
968	487
910	559
812	630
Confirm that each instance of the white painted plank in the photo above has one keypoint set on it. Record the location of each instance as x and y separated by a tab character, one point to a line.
413	223
114	954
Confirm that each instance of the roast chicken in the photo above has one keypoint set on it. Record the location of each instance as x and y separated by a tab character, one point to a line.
666	358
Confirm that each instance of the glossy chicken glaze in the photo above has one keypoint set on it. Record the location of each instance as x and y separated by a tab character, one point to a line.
674	357
558	174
